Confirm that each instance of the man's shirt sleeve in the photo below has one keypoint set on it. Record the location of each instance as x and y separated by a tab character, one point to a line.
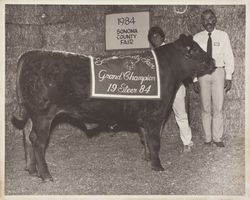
195	38
228	58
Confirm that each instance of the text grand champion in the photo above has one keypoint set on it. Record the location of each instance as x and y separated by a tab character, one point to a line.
128	75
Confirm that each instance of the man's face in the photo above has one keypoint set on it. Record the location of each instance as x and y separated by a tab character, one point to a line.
208	20
156	40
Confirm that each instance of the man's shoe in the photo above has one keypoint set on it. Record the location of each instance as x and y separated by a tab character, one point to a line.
208	143
187	148
219	144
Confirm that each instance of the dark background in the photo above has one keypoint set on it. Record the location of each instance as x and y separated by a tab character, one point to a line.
81	29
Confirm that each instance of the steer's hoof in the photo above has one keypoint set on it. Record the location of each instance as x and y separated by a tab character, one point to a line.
47	179
32	172
147	157
157	168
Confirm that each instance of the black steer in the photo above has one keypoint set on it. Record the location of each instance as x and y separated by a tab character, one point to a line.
53	83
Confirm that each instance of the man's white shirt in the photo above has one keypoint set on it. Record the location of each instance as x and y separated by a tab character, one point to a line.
221	49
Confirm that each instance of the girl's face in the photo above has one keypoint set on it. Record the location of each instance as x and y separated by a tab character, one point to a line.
156	40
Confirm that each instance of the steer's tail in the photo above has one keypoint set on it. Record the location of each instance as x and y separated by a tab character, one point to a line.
20	116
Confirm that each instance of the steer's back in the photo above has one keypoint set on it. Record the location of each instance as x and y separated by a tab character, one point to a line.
46	77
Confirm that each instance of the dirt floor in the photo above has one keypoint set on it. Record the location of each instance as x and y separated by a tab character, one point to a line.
114	165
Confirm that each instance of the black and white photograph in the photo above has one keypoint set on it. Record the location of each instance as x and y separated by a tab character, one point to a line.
123	99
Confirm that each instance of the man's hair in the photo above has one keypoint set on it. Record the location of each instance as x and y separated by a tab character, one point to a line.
208	11
155	30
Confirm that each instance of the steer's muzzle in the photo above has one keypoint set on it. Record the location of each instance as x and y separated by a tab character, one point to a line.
208	66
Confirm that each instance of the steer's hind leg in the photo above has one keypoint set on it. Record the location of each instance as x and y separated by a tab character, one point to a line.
39	138
28	149
143	138
153	139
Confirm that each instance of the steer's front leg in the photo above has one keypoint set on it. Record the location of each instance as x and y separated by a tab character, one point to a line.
153	139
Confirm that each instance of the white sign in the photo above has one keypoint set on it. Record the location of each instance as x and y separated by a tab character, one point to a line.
127	30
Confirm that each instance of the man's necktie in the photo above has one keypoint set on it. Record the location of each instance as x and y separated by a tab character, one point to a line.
209	45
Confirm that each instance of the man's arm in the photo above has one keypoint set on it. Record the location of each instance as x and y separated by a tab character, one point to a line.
229	64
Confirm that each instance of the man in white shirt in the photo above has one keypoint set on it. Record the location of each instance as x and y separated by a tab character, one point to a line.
156	37
212	86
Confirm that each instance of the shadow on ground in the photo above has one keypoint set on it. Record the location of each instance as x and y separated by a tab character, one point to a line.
107	165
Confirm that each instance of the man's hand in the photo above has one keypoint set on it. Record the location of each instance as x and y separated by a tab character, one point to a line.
196	87
227	85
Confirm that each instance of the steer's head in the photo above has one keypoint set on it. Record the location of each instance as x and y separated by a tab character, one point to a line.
192	59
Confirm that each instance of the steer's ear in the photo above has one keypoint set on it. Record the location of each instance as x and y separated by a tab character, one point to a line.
183	37
185	40
190	37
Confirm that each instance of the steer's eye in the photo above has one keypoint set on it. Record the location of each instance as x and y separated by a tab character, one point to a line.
188	53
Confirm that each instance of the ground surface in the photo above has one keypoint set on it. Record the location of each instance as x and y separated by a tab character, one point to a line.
107	165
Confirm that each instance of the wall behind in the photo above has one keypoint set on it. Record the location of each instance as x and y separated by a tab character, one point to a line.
81	29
